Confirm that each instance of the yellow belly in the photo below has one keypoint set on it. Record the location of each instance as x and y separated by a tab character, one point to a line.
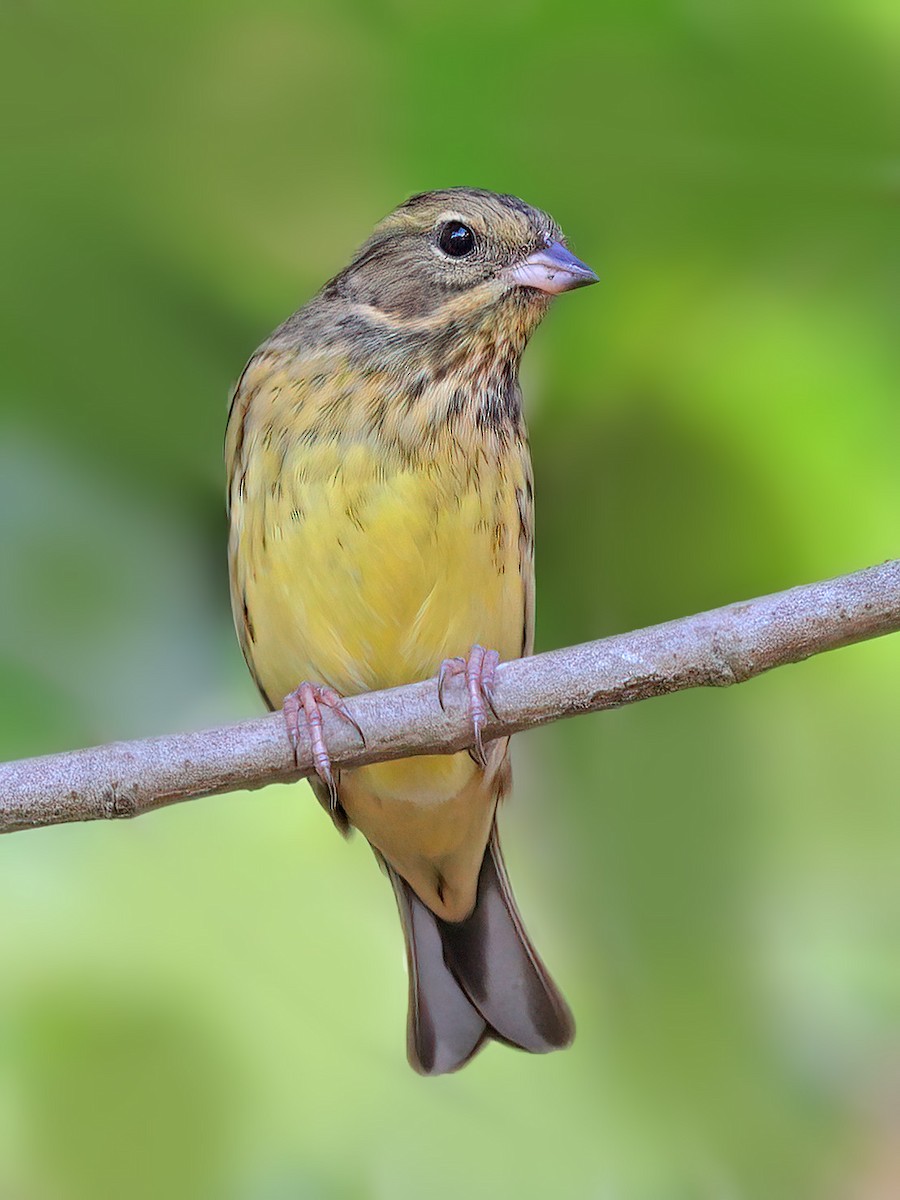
368	580
362	576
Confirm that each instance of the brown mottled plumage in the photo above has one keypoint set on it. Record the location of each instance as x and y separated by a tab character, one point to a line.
380	496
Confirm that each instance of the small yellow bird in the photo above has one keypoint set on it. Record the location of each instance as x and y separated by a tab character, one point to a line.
380	498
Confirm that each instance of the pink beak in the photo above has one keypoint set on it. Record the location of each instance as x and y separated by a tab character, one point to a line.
553	269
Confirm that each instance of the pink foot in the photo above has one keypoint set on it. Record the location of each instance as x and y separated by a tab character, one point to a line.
480	673
304	706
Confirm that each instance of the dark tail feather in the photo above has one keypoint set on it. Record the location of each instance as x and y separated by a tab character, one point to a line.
477	979
443	1030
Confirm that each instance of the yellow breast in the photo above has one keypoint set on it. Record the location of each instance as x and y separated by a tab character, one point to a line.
362	567
371	538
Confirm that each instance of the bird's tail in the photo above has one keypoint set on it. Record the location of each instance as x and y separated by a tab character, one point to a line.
476	979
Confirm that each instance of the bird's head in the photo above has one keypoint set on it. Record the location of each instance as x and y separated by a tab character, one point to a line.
465	256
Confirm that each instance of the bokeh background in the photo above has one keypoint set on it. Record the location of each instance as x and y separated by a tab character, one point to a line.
210	1002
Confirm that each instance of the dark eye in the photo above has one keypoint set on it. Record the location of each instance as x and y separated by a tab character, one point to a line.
456	239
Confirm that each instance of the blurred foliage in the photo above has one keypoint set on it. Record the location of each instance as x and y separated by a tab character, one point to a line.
210	1003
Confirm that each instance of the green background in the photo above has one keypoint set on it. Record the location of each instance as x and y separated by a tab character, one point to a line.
210	1002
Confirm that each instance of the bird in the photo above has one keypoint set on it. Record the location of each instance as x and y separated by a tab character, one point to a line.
380	499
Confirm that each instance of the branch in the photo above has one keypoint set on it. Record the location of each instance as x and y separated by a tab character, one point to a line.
713	649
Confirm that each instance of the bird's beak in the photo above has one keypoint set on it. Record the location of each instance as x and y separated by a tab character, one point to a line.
553	269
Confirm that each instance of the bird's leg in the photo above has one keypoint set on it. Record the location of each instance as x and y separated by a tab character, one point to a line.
480	672
304	705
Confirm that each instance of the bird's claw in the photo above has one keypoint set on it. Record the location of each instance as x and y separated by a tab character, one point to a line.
480	672
449	667
305	704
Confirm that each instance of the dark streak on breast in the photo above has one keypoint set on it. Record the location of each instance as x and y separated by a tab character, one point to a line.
248	624
524	510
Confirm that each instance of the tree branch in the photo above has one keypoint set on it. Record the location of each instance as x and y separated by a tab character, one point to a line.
713	649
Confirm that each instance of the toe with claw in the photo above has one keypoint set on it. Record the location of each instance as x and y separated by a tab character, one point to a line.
303	707
480	672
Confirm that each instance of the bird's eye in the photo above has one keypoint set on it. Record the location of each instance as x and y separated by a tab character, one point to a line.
456	239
